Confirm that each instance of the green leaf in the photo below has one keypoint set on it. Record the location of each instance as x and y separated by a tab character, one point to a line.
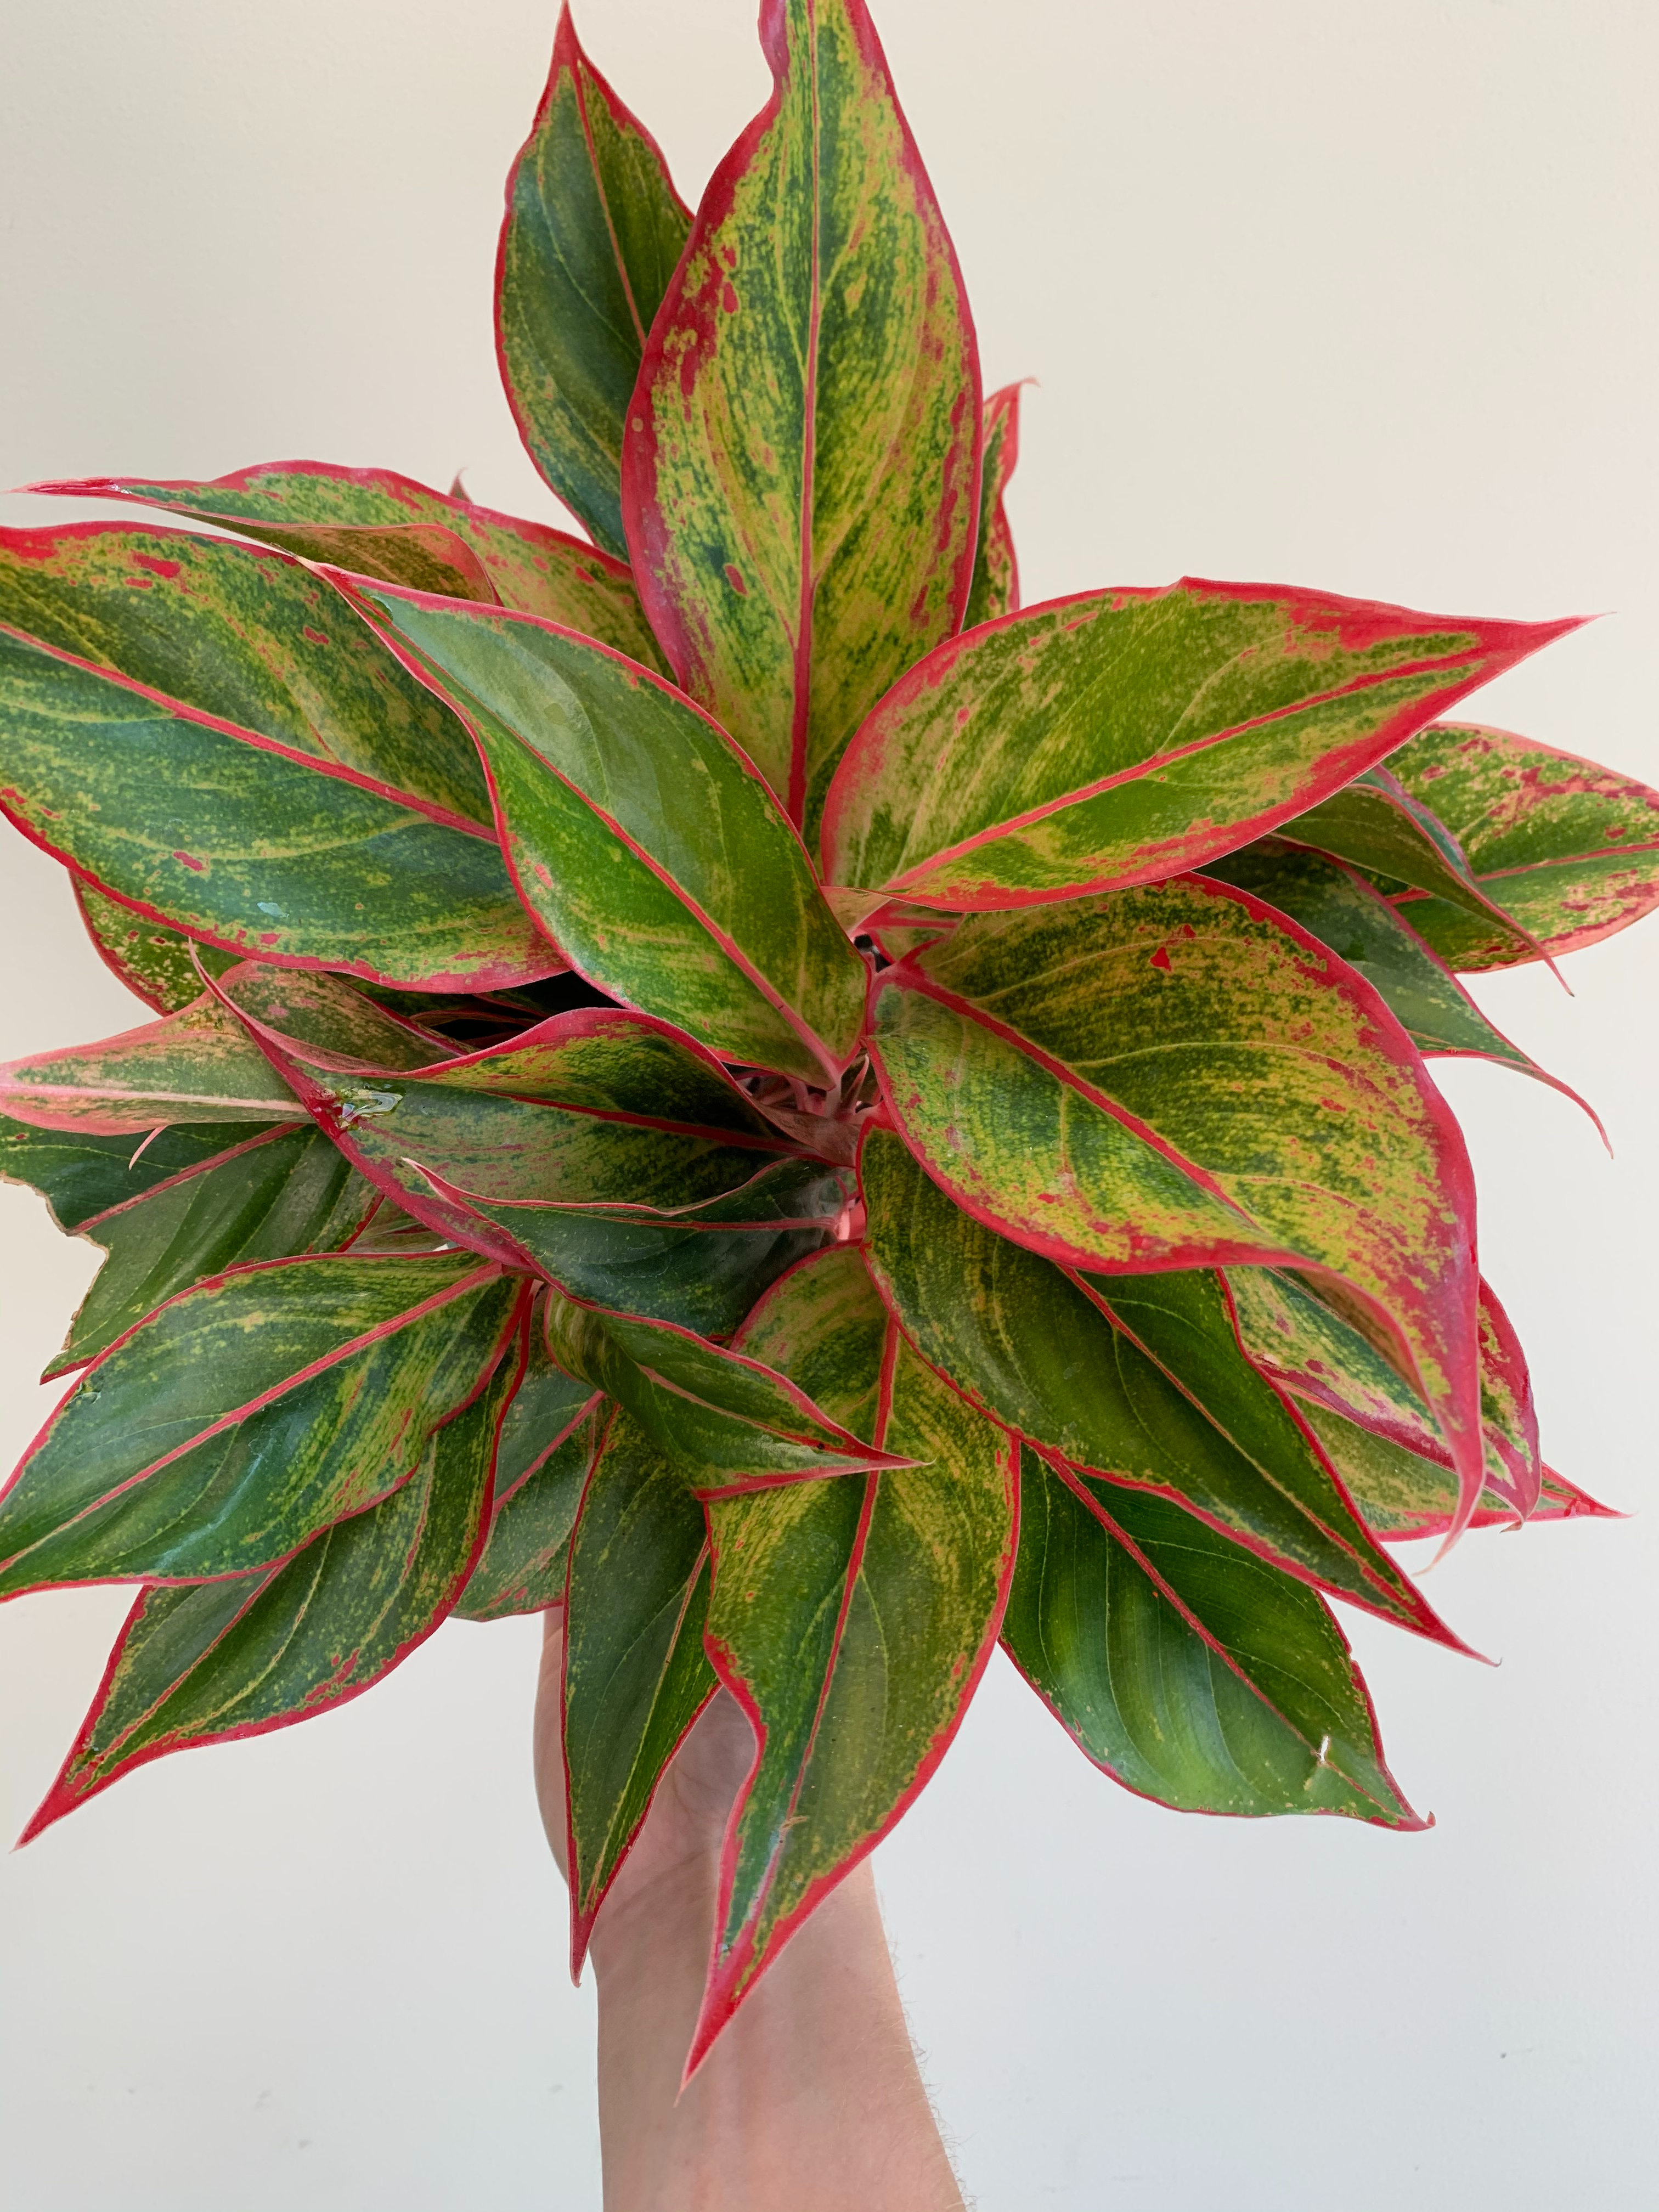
81	1176
1120	737
1375	825
701	1265
598	1148
1334	903
1174	1409
377	523
210	1662
548	1442
1403	1493
597	1105
1192	1673
728	1422
1327	1357
197	1065
249	1414
1166	1076
227	837
852	1620
1569	850
801	475
643	842
995	588
526	1561
153	961
593	229
272	1197
251	638
636	1676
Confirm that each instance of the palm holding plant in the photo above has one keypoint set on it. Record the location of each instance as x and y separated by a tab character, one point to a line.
730	1080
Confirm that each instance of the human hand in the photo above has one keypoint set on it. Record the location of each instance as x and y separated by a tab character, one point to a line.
810	2101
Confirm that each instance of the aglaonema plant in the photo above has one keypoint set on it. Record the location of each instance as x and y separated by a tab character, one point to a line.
726	1077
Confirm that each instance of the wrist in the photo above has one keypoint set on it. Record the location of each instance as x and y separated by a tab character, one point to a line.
810	2096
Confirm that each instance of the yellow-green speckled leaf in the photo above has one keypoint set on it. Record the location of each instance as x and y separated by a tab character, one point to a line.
593	229
800	476
852	1619
377	523
1159	1077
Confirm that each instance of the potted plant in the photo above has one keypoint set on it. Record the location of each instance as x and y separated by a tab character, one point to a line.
728	1079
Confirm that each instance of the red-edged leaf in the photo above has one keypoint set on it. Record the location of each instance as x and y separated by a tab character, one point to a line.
377	523
1190	1672
276	1194
1404	1494
1335	903
250	1413
1174	1408
211	1662
197	1065
1569	851
592	231
1313	1347
549	1438
1374	824
730	1423
1118	737
995	588
1164	1077
599	1148
800	474
251	640
635	1674
153	961
250	844
851	1619
641	837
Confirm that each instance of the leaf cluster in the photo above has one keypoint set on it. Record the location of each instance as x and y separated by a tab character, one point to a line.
725	1076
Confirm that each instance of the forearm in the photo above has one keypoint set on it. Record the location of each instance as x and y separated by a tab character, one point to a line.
810	2101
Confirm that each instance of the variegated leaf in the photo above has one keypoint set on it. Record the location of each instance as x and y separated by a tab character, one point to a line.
1403	1494
1375	825
701	1264
81	1175
197	1065
1120	737
275	1194
250	844
376	523
593	230
1171	1076
597	1148
852	1620
642	841
245	638
1334	903
153	961
548	1442
636	1676
1569	851
728	1422
1328	1358
207	1662
250	1413
995	588
1191	1672
800	474
1175	1408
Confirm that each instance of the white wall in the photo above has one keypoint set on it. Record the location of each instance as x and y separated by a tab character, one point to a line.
1354	295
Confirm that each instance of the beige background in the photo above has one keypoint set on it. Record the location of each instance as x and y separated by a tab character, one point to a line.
1354	295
